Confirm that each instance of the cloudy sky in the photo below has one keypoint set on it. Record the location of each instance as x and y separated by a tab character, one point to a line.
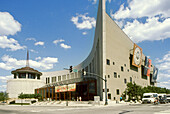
59	33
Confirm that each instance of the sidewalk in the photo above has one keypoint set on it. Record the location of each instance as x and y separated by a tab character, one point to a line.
79	103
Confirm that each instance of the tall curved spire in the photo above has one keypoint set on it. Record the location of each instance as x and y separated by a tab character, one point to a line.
27	61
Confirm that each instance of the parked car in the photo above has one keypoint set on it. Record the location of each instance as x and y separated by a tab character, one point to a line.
149	97
168	97
162	98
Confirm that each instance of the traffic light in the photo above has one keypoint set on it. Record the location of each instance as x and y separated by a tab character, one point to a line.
71	69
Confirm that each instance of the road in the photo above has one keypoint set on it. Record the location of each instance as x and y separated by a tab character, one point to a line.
117	109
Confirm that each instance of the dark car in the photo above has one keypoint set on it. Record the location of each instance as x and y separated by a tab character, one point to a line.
163	99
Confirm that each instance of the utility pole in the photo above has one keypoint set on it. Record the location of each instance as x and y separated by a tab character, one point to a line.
96	75
106	103
67	96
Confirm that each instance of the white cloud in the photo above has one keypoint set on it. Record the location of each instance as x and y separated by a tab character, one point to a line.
10	63
39	43
94	1
65	46
38	58
8	25
58	41
4	79
10	44
3	88
141	8
155	16
109	1
84	33
164	63
29	39
164	70
31	50
84	21
151	30
49	60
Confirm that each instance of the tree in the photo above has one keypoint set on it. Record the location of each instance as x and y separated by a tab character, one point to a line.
135	91
24	96
4	96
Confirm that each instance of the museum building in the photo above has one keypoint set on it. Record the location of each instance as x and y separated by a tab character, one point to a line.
114	57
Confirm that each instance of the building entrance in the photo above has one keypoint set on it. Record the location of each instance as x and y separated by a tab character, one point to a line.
83	91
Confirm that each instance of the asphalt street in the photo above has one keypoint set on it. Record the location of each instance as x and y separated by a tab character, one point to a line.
116	109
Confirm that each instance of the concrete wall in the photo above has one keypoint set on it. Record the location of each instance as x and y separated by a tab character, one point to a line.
27	86
118	50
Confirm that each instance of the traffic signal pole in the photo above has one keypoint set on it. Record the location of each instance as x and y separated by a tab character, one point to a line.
105	80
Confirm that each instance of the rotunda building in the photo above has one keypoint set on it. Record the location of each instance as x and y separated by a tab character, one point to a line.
25	80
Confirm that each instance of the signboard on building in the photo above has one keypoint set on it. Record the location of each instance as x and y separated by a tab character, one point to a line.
137	56
149	66
71	87
155	73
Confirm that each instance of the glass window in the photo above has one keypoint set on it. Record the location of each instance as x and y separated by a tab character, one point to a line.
107	61
130	79
22	75
67	76
31	76
125	81
38	77
48	79
118	76
113	63
53	79
59	78
122	68
125	65
64	77
108	76
115	74
109	95
72	75
117	91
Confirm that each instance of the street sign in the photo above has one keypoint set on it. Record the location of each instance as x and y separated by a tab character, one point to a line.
75	70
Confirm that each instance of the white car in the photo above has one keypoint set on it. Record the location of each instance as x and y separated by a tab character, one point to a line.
168	97
149	97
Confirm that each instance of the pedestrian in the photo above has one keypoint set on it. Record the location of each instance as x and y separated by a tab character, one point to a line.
120	98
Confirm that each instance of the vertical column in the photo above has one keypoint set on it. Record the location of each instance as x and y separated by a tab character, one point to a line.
64	95
59	96
42	93
36	76
17	76
70	96
46	93
88	90
56	96
52	92
49	93
26	75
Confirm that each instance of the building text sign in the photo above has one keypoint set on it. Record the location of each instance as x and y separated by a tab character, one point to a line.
71	87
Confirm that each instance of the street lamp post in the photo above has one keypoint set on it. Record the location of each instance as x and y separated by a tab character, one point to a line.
67	96
105	80
106	103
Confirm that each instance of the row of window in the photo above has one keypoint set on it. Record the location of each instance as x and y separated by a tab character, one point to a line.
122	68
30	76
63	77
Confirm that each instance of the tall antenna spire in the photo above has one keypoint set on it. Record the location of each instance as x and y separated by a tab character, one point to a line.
27	62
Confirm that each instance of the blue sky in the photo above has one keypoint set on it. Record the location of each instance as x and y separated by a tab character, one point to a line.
59	33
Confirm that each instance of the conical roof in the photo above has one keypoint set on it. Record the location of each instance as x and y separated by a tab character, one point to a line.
26	69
